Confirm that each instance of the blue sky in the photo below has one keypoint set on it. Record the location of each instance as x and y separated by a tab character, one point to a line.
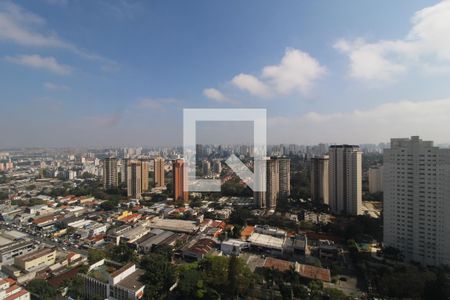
113	73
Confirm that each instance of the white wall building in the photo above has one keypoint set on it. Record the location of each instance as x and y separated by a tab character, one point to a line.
416	182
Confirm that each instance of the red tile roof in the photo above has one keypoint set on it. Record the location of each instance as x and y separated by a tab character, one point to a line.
17	295
278	264
313	272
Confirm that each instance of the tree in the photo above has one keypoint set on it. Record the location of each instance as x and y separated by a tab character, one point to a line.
95	255
233	276
159	275
403	282
236	187
334	294
42	289
439	288
3	195
393	253
191	284
108	205
75	287
214	278
239	216
87	175
165	250
123	253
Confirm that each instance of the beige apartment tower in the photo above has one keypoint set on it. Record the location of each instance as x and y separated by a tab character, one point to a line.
110	176
145	166
159	178
179	192
269	198
285	177
137	181
319	180
345	179
124	170
134	182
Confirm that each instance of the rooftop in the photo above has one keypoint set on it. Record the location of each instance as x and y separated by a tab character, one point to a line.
132	282
313	272
174	225
267	241
36	254
202	246
278	264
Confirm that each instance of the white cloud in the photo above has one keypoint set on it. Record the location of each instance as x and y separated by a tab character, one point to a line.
426	47
39	62
428	119
122	9
156	104
251	84
297	72
57	2
18	25
25	28
53	87
217	96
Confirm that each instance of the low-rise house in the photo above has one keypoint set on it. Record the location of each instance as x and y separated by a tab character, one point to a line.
156	238
268	230
307	272
133	234
36	260
17	248
267	243
10	291
297	244
198	249
233	246
327	249
174	225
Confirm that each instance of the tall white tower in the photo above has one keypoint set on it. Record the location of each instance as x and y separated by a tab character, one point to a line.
416	207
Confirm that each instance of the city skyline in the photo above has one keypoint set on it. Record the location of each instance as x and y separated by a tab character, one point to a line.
256	149
67	83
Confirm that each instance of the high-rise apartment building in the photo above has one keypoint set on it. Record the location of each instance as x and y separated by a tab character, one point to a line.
179	192
137	180
375	177
206	168
319	180
145	166
269	198
110	177
134	180
159	178
345	179
416	203
273	182
124	170
217	166
285	177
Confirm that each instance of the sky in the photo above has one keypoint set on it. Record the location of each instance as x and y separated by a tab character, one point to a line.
106	73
